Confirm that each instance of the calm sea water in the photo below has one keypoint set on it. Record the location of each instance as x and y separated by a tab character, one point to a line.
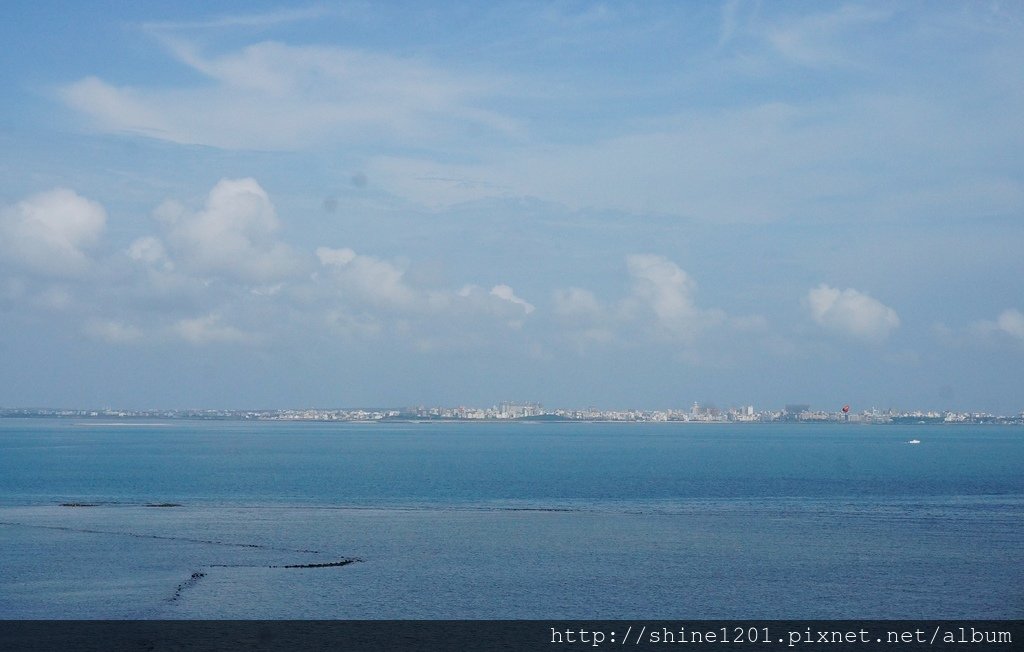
499	520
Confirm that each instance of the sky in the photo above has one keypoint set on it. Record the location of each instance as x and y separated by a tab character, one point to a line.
621	205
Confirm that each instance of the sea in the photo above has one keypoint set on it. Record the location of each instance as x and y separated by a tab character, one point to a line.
179	519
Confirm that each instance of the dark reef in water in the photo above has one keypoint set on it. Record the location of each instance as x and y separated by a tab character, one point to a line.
140	535
196	576
330	564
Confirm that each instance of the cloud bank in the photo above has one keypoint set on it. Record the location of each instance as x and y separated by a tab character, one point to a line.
219	275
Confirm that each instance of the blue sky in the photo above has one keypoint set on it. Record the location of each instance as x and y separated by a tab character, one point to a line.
613	204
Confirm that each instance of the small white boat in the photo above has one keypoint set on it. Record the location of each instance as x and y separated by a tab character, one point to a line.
914	441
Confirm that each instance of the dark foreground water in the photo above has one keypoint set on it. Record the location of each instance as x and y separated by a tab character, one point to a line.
497	520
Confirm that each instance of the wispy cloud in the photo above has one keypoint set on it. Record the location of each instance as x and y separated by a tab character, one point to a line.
441	135
770	162
256	19
277	96
210	329
816	40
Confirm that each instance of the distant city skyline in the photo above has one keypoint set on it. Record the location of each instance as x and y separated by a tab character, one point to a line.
226	205
511	411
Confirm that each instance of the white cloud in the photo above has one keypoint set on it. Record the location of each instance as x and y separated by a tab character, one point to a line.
988	334
848	153
661	305
211	329
1010	322
150	251
661	286
118	110
335	257
506	293
500	301
233	235
51	232
851	313
382	284
370	279
277	96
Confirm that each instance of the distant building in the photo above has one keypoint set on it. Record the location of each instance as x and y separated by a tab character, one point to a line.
793	411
